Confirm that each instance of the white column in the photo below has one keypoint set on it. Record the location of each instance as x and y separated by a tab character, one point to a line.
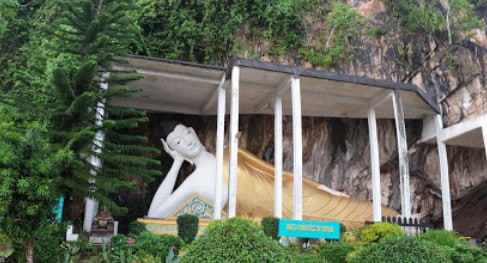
91	204
445	180
374	165
233	141
220	133
278	157
298	149
402	149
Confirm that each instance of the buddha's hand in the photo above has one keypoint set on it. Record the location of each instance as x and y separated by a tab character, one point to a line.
175	155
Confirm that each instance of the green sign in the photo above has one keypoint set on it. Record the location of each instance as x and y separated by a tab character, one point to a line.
309	229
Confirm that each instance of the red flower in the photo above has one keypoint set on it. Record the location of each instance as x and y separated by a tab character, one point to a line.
131	241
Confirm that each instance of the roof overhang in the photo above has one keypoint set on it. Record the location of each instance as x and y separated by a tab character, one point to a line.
188	88
468	133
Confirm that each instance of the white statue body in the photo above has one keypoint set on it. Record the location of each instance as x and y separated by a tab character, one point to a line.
255	186
183	144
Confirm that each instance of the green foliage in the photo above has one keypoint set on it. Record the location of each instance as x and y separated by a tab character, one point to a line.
270	226
421	16
136	227
171	258
418	16
92	35
397	249
47	243
341	37
172	29
456	249
306	258
441	237
235	240
187	227
375	232
462	19
146	243
215	30
335	252
29	178
6	245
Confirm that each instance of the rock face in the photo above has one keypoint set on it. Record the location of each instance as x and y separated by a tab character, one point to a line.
336	151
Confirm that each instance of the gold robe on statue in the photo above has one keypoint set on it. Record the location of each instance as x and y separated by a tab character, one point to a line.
255	196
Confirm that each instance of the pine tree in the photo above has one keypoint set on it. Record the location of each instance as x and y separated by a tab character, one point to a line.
93	35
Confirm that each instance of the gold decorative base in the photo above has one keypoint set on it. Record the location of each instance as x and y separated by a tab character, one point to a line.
169	226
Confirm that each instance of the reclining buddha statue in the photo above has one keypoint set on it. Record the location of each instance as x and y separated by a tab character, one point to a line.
255	185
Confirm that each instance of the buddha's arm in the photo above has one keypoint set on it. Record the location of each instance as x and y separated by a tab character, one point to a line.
165	189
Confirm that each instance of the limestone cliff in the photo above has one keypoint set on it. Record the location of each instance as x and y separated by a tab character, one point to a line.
336	151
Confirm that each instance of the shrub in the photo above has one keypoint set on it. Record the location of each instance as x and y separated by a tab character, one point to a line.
456	249
375	232
400	249
235	240
136	227
156	245
270	226
145	245
187	227
306	258
335	252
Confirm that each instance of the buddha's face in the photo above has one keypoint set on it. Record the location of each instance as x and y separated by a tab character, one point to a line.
184	141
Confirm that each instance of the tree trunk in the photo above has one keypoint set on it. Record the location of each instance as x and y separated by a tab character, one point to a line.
29	251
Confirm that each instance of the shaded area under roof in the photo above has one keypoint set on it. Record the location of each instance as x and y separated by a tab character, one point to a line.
180	87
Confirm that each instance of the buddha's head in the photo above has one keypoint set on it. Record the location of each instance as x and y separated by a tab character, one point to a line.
181	139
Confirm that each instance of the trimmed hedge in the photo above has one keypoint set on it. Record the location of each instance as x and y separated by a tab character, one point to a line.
187	227
271	227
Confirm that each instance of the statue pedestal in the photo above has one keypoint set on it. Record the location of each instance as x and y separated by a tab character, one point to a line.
195	205
169	226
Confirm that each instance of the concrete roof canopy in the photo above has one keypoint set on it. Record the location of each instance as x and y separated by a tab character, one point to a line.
180	87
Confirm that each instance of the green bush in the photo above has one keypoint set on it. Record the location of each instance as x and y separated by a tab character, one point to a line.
136	227
375	232
335	252
187	227
144	245
270	226
235	240
456	249
441	237
48	243
147	243
400	249
306	258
